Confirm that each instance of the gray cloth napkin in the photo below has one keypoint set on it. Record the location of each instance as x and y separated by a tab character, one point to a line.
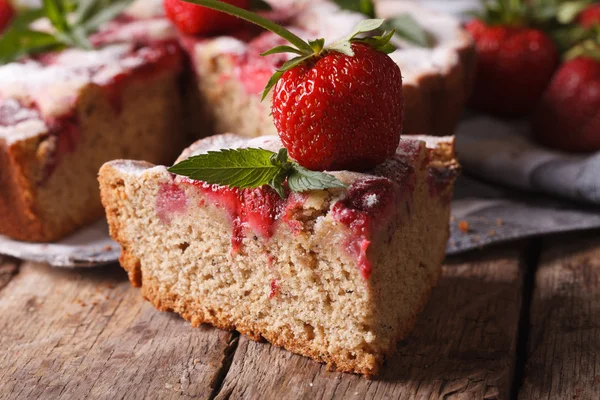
529	190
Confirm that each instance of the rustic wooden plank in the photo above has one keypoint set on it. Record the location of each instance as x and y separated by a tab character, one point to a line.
564	340
87	333
463	346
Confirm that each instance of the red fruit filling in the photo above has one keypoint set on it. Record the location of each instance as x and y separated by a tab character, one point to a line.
274	289
171	200
368	200
257	209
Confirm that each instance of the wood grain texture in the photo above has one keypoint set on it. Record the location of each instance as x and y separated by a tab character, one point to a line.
564	341
89	334
462	347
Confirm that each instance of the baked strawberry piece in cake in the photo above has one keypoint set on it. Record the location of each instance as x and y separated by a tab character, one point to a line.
338	275
231	74
64	113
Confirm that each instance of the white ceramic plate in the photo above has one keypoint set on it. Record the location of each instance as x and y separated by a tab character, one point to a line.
89	247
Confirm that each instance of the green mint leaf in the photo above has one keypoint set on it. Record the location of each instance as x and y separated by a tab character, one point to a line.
409	29
259	5
16	43
252	168
301	179
281	49
242	168
365	7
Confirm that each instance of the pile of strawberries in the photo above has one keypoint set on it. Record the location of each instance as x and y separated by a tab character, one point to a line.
541	59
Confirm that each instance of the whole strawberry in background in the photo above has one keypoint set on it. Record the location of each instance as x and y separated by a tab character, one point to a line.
568	117
590	16
7	13
514	61
195	20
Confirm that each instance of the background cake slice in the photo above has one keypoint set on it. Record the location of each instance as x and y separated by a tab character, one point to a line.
231	74
338	275
63	114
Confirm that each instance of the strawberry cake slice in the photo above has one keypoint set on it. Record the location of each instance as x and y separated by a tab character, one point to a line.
231	74
64	114
338	275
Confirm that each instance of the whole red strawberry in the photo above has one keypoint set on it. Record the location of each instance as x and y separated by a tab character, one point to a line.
194	19
514	66
590	16
340	111
6	14
568	117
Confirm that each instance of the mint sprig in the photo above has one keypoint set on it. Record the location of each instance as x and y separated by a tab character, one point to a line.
72	24
252	168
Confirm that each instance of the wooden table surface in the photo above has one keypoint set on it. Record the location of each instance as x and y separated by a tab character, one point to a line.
519	321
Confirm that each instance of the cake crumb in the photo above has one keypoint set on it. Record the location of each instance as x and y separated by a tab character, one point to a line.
463	226
499	221
196	361
108	247
492	232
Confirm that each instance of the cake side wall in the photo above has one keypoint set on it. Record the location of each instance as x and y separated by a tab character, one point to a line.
227	103
17	193
59	182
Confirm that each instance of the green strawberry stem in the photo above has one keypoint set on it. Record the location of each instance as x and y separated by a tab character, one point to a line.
255	19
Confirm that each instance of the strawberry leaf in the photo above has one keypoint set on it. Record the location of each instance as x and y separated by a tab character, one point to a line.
281	49
343	45
381	43
365	7
409	29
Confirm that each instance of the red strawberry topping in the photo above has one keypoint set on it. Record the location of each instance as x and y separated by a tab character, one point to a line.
6	14
590	16
340	111
194	19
